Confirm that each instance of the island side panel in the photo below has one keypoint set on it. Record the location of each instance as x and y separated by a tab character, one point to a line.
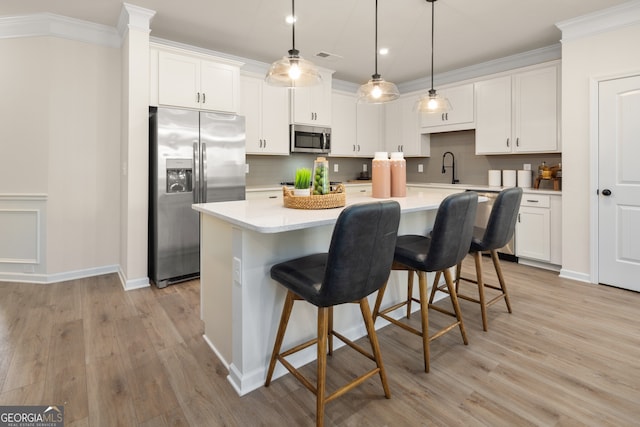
216	282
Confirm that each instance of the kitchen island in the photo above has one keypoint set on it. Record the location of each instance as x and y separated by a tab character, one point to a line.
241	304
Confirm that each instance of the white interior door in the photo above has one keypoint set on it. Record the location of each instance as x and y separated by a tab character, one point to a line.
619	183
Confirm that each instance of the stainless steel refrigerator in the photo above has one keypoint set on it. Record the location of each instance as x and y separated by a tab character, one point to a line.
194	157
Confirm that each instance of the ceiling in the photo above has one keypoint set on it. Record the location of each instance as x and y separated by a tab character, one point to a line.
467	32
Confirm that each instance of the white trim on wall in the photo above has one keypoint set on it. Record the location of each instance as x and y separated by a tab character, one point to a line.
49	24
612	18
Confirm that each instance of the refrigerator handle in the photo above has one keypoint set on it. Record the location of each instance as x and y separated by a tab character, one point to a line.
196	172
203	179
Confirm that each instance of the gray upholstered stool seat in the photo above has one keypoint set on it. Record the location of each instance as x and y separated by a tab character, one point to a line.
358	263
444	247
499	230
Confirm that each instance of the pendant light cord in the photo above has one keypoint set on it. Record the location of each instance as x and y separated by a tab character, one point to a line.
293	25
432	35
376	42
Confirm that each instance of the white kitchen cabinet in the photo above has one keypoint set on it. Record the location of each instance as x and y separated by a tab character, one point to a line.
264	195
197	82
311	105
356	129
369	128
343	125
402	128
518	113
461	116
538	228
266	111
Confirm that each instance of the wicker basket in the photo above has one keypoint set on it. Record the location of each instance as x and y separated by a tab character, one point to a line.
335	199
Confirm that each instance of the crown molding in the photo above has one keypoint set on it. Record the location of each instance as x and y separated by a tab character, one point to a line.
519	60
49	24
624	15
134	17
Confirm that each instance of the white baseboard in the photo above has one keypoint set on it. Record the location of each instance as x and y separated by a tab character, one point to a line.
131	284
575	275
57	277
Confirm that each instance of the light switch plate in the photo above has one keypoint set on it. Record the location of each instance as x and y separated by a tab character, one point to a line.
420	168
237	270
335	167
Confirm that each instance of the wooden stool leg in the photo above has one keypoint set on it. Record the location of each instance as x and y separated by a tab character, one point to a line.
434	288
284	320
503	285
409	292
477	257
330	330
458	271
456	306
376	307
323	314
375	345
424	313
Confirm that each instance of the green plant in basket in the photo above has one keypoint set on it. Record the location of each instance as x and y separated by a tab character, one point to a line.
303	178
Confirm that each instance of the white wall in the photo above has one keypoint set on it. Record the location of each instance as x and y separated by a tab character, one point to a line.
609	54
60	135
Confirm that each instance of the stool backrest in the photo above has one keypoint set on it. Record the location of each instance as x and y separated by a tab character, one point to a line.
502	220
361	252
452	231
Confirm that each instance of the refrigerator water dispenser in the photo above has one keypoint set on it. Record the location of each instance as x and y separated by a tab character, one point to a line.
179	176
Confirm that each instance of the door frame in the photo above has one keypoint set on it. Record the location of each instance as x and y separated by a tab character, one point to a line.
594	129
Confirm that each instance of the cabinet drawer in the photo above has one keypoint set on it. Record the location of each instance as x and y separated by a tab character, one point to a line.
537	200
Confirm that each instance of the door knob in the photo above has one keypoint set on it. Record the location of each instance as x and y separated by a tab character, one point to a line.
606	192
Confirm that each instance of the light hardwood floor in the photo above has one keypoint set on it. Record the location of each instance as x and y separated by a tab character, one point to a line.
569	355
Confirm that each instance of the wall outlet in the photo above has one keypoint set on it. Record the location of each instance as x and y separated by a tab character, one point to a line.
364	167
526	166
246	168
237	270
420	167
335	167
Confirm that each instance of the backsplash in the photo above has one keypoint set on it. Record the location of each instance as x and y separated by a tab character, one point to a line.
470	168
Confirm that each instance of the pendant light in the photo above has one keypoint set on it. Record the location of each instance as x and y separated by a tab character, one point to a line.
293	70
432	102
377	90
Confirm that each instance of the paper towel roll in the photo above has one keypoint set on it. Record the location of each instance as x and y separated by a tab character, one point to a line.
524	178
494	178
508	178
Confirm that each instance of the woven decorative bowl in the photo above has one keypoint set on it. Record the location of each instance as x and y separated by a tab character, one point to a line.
335	199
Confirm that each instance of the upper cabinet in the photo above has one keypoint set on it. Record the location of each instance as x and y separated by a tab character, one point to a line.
266	111
356	129
343	125
461	116
402	128
197	81
312	105
518	113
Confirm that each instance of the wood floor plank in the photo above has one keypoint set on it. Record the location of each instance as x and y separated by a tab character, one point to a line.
568	355
66	382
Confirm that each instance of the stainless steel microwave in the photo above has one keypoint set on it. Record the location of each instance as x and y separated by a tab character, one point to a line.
310	139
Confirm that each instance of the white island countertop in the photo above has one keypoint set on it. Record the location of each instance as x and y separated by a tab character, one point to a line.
270	216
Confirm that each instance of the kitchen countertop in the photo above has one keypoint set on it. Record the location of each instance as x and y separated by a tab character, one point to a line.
475	187
270	216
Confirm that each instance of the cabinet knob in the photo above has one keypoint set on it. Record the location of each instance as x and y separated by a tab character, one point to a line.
606	192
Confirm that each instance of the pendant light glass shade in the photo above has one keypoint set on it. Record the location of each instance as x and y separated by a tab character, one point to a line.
293	70
377	90
432	102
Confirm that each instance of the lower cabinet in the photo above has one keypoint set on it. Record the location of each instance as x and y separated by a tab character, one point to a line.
263	194
538	228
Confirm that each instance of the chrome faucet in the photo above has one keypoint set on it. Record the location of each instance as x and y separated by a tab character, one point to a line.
453	166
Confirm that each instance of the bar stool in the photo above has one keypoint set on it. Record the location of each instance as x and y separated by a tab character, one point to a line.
444	247
498	232
358	263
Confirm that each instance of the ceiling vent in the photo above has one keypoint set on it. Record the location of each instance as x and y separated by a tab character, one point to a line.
328	56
